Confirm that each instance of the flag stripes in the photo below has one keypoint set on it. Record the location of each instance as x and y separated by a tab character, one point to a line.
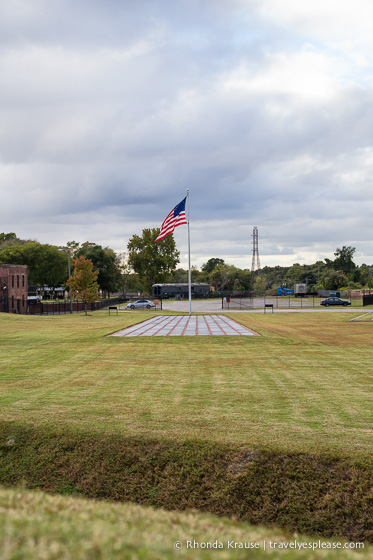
175	218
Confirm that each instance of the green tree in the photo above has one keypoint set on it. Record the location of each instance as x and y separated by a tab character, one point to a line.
152	261
83	282
110	276
198	275
74	247
260	285
293	275
343	260
10	238
242	280
366	275
211	264
333	279
132	283
228	277
222	277
47	265
219	277
179	276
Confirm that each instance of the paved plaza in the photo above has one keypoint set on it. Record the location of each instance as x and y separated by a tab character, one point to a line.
185	325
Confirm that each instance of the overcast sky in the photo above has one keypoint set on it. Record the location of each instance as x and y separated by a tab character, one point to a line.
110	110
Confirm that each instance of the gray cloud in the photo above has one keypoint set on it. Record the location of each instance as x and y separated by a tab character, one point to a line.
109	111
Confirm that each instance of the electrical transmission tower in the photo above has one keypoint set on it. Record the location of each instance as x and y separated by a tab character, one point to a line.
255	264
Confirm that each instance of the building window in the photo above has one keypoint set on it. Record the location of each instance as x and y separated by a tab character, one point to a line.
12	280
23	280
12	302
17	280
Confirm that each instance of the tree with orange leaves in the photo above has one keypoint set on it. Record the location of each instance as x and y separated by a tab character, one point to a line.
83	282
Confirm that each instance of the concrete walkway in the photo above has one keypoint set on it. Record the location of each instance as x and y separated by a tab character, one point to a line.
184	325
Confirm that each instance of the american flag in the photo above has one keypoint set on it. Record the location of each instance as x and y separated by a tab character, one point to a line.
175	218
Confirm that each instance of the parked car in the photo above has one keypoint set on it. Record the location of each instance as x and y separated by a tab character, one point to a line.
141	304
335	301
33	300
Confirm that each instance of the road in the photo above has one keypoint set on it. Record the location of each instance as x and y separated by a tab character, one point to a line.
214	306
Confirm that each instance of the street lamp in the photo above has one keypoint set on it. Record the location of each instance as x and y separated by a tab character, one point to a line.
5	299
69	271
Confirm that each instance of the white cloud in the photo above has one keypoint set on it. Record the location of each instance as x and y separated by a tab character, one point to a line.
305	75
331	19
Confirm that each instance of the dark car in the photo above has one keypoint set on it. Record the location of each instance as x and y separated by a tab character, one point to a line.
335	301
141	304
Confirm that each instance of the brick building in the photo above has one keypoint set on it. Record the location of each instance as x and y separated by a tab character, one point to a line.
13	288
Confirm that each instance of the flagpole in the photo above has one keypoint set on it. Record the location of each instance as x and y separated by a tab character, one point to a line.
189	273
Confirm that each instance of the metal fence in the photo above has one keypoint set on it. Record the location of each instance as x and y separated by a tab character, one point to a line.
13	305
58	308
280	302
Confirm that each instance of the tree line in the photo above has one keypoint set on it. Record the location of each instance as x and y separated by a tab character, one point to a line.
152	263
48	264
147	263
330	274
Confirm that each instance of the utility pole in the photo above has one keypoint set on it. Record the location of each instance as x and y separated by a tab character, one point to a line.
255	263
67	250
369	278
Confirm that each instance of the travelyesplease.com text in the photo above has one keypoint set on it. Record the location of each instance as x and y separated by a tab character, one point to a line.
268	545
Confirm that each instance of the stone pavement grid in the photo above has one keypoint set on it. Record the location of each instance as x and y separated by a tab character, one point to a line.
185	325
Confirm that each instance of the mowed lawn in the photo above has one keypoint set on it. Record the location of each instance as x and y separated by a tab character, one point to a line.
304	385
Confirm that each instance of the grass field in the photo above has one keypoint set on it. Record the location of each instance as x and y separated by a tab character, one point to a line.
276	428
304	384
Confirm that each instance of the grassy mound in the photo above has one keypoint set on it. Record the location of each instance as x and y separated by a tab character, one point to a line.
313	494
34	525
